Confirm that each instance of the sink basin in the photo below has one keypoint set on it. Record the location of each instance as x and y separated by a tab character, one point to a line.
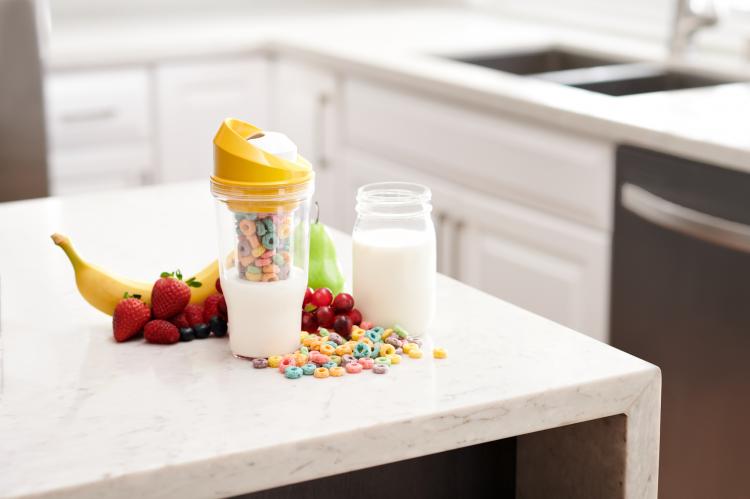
597	74
534	62
659	81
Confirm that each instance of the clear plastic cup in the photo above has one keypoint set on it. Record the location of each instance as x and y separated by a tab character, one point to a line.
263	205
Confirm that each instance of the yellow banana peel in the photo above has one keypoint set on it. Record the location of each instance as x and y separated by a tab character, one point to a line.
104	290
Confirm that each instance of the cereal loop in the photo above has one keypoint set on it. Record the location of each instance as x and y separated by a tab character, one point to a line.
383	360
337	371
366	362
353	368
380	368
386	350
415	353
321	372
293	372
274	361
439	353
308	369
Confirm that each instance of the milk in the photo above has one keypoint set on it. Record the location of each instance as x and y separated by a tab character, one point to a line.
394	277
264	317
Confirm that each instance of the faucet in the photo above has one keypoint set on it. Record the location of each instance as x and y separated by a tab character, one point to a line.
689	17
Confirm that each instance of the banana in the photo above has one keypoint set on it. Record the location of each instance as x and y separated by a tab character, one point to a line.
104	290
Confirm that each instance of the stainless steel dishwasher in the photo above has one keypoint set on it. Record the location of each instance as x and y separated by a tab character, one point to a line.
681	299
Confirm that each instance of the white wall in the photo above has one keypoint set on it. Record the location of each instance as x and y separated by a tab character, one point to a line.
646	19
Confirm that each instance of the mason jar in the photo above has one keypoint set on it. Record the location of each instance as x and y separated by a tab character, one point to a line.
394	256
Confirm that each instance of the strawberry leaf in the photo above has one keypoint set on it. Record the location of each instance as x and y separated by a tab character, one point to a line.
125	294
166	274
193	283
178	274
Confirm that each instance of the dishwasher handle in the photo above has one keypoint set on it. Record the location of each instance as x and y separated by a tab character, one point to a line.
678	218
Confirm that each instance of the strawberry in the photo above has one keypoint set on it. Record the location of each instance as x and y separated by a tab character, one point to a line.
194	314
161	332
131	314
213	306
180	320
170	295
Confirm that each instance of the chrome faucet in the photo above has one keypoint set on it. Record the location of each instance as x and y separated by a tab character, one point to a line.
689	17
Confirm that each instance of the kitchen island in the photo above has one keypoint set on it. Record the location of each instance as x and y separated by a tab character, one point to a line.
82	416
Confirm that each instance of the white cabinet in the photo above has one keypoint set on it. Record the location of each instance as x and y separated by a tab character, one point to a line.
305	108
99	125
551	266
522	212
192	98
557	171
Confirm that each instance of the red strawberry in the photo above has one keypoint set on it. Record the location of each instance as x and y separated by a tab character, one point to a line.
170	295
162	332
131	314
180	320
213	306
194	314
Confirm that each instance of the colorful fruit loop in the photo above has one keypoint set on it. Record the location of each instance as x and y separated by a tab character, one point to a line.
264	245
370	350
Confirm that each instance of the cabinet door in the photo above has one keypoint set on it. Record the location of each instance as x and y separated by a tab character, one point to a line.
564	173
100	129
192	100
305	109
547	265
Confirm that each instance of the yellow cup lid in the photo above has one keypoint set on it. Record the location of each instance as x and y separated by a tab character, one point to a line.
238	163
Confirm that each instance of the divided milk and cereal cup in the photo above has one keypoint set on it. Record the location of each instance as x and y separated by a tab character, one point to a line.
263	205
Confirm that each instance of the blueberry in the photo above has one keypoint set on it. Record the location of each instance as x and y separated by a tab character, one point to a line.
186	334
201	331
218	326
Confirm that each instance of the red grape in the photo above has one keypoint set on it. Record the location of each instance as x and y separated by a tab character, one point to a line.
356	316
343	325
325	316
322	297
308	297
343	303
309	322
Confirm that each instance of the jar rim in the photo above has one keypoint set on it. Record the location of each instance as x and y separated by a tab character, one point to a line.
394	193
394	199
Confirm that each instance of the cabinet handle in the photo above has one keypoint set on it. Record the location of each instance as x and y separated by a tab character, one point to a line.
320	135
456	250
684	220
102	114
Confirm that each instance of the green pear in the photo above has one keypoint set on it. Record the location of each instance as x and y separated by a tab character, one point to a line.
325	271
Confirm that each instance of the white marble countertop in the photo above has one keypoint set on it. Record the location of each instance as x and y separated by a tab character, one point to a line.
708	124
84	417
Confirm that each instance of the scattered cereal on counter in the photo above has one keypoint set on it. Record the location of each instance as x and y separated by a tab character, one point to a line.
324	353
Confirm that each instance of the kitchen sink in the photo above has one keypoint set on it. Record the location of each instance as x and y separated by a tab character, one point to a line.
594	73
538	61
661	81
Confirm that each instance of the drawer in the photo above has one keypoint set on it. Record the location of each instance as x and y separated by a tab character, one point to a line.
132	158
89	108
560	172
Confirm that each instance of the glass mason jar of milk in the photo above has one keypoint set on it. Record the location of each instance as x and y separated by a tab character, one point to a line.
394	260
262	189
